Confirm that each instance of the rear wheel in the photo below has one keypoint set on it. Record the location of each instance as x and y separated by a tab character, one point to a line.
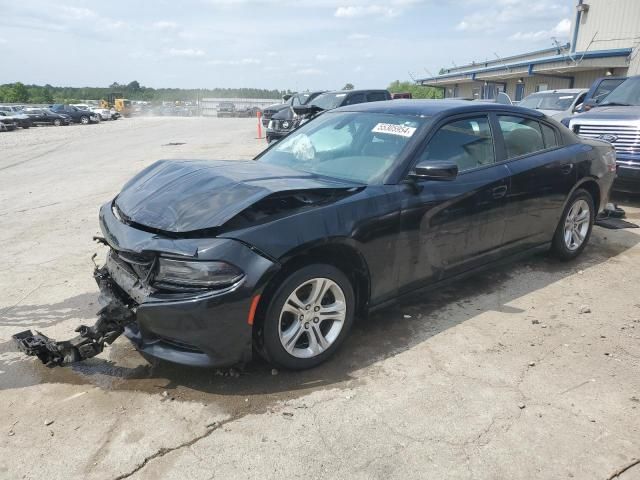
309	317
574	229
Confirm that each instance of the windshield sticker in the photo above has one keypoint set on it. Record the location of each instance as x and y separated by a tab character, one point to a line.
341	95
565	97
392	129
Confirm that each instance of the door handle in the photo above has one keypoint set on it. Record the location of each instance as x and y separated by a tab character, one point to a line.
566	169
499	192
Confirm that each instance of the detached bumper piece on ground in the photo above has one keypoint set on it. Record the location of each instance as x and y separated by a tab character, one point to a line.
90	341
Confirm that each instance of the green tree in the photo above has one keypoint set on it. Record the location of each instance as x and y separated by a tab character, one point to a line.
416	91
133	86
348	86
18	93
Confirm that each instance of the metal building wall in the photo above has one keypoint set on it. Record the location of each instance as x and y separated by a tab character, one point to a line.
609	24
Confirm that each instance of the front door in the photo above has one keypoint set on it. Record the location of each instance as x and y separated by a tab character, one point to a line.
448	227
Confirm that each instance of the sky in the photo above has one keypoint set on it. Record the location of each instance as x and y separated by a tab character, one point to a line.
283	44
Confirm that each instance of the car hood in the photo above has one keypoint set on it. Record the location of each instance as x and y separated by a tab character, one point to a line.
276	107
284	114
187	196
610	113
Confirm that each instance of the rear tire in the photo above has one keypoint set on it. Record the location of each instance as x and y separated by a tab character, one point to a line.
308	318
575	225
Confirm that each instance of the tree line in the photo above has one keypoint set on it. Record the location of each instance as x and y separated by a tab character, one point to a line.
47	94
20	93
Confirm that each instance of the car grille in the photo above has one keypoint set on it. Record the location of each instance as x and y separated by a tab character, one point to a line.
282	125
627	141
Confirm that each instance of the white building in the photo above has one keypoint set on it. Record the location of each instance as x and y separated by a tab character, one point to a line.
605	41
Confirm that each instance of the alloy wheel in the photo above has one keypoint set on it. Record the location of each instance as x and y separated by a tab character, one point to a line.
576	225
312	317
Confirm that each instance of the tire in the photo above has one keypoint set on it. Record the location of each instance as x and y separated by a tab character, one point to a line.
84	120
57	122
574	229
311	340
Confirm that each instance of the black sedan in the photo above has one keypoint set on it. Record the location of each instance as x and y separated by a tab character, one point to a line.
44	116
211	260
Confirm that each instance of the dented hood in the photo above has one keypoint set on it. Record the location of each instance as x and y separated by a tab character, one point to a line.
185	196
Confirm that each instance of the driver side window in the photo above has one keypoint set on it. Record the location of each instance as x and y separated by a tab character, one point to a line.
468	143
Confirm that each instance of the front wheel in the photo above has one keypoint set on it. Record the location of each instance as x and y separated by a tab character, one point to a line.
84	120
574	229
57	122
309	317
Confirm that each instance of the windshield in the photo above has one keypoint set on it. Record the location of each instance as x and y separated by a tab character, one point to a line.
627	93
359	147
549	101
328	101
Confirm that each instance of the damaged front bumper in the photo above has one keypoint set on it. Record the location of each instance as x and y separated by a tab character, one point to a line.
206	328
90	341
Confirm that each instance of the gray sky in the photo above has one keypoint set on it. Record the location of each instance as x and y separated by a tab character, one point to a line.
304	44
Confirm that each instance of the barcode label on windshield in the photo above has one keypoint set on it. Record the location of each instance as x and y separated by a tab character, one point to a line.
392	129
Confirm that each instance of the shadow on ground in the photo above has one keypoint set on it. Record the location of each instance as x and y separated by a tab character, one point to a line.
384	334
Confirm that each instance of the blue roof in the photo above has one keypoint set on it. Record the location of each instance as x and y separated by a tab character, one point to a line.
620	52
430	108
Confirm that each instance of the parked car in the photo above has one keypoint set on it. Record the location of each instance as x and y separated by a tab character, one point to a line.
10	108
7	124
20	119
44	116
209	260
284	122
77	115
289	101
225	109
598	91
557	104
102	113
617	121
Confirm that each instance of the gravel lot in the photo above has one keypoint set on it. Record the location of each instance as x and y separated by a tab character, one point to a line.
498	377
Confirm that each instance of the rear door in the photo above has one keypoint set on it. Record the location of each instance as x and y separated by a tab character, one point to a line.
542	175
448	227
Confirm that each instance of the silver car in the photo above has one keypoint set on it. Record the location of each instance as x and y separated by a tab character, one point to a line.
557	104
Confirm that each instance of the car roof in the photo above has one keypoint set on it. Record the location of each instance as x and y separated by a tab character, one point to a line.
561	90
430	108
365	90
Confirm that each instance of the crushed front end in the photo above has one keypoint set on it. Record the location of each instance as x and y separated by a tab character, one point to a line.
197	323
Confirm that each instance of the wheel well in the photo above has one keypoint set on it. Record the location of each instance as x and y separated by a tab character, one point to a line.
594	190
345	258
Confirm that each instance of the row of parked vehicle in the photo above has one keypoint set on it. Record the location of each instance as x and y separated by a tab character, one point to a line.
609	110
12	116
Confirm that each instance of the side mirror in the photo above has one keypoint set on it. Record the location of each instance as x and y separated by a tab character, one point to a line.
589	104
306	109
434	170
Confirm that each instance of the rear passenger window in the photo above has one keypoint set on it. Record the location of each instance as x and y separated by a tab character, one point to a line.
467	142
376	96
549	136
355	98
521	135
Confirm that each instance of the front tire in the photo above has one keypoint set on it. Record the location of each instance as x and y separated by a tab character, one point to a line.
574	229
308	318
84	120
57	122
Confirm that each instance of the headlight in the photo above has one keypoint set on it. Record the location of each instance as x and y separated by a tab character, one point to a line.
199	274
270	125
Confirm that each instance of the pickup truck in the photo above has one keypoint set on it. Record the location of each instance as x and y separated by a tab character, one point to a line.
77	115
617	120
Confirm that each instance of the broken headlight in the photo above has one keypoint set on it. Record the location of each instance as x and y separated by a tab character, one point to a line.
185	274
